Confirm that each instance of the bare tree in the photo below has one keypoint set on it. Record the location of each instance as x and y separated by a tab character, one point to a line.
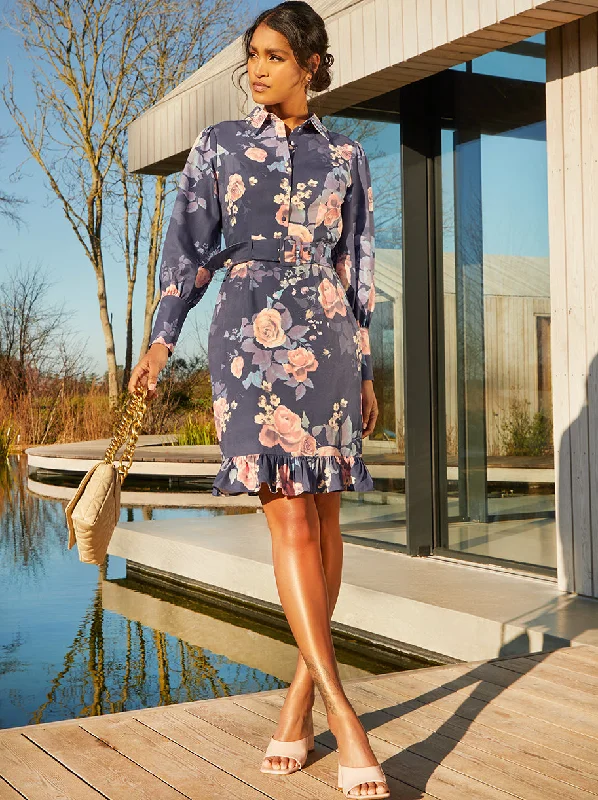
96	65
35	337
9	202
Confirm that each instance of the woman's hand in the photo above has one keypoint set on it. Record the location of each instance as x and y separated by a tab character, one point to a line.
369	407
145	373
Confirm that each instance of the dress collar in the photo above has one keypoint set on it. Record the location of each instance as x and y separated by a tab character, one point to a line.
258	115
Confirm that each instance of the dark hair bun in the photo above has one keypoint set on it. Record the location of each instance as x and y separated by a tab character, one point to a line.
305	32
322	78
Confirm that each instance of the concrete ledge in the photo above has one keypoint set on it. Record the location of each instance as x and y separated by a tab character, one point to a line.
456	610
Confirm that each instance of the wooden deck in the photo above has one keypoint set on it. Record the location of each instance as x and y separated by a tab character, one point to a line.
523	727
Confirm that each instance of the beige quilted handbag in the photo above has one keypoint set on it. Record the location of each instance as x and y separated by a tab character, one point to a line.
94	509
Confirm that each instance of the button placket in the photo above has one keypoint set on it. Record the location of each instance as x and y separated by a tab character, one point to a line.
281	133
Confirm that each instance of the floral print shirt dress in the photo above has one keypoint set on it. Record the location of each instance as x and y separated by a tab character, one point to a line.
288	343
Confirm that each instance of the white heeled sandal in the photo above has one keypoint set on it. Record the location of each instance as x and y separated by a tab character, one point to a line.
297	749
350	777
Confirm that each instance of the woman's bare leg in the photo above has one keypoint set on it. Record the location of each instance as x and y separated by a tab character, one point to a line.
300	579
295	716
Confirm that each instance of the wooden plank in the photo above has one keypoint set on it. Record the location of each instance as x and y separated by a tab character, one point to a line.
410	29
189	773
335	49
513	721
505	8
35	773
454	16
578	423
570	715
579	658
439	22
344	56
559	308
505	745
7	792
98	765
358	49
416	771
471	16
395	32
425	39
488	12
552	674
517	779
589	159
225	748
369	37
382	33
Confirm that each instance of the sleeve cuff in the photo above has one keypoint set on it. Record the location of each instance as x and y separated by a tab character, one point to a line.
170	317
367	369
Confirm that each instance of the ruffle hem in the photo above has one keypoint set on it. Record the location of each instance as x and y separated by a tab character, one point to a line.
292	474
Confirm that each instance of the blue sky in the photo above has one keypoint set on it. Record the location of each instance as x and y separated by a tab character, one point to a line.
47	239
514	222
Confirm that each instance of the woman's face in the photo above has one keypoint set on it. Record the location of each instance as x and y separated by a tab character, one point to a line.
273	72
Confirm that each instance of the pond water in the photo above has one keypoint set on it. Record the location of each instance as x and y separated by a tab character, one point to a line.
78	640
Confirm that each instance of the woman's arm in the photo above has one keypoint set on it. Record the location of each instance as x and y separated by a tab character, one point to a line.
193	236
354	253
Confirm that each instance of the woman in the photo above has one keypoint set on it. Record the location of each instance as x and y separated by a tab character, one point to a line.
288	349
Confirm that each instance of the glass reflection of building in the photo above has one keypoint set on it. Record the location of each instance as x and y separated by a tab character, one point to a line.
461	331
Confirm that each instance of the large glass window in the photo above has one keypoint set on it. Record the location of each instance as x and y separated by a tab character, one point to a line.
473	262
379	516
500	464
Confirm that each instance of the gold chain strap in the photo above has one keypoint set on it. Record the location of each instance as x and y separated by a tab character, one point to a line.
127	431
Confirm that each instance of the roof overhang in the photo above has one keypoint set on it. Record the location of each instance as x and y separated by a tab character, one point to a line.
378	45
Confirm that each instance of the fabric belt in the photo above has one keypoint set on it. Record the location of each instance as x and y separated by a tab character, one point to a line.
286	250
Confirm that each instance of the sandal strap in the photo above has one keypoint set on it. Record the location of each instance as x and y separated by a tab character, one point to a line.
353	776
296	749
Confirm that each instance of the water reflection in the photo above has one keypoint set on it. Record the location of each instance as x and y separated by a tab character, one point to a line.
78	640
62	653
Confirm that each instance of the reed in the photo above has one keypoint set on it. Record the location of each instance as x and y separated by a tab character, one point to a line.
8	437
198	429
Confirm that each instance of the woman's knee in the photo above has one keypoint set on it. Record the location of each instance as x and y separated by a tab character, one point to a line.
293	521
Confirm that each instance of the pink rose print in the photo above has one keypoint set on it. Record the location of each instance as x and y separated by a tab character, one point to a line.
331	299
365	341
301	361
259	117
346	151
328	450
220	409
284	430
267	328
372	298
171	290
247	471
288	486
240	270
330	211
203	276
256	153
237	365
343	269
236	187
282	215
301	231
160	339
308	445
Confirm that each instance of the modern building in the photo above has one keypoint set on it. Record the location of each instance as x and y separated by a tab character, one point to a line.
480	120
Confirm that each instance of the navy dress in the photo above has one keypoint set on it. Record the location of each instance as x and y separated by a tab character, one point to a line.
288	343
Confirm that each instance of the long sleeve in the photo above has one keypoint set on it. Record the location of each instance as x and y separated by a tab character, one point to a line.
193	237
354	253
